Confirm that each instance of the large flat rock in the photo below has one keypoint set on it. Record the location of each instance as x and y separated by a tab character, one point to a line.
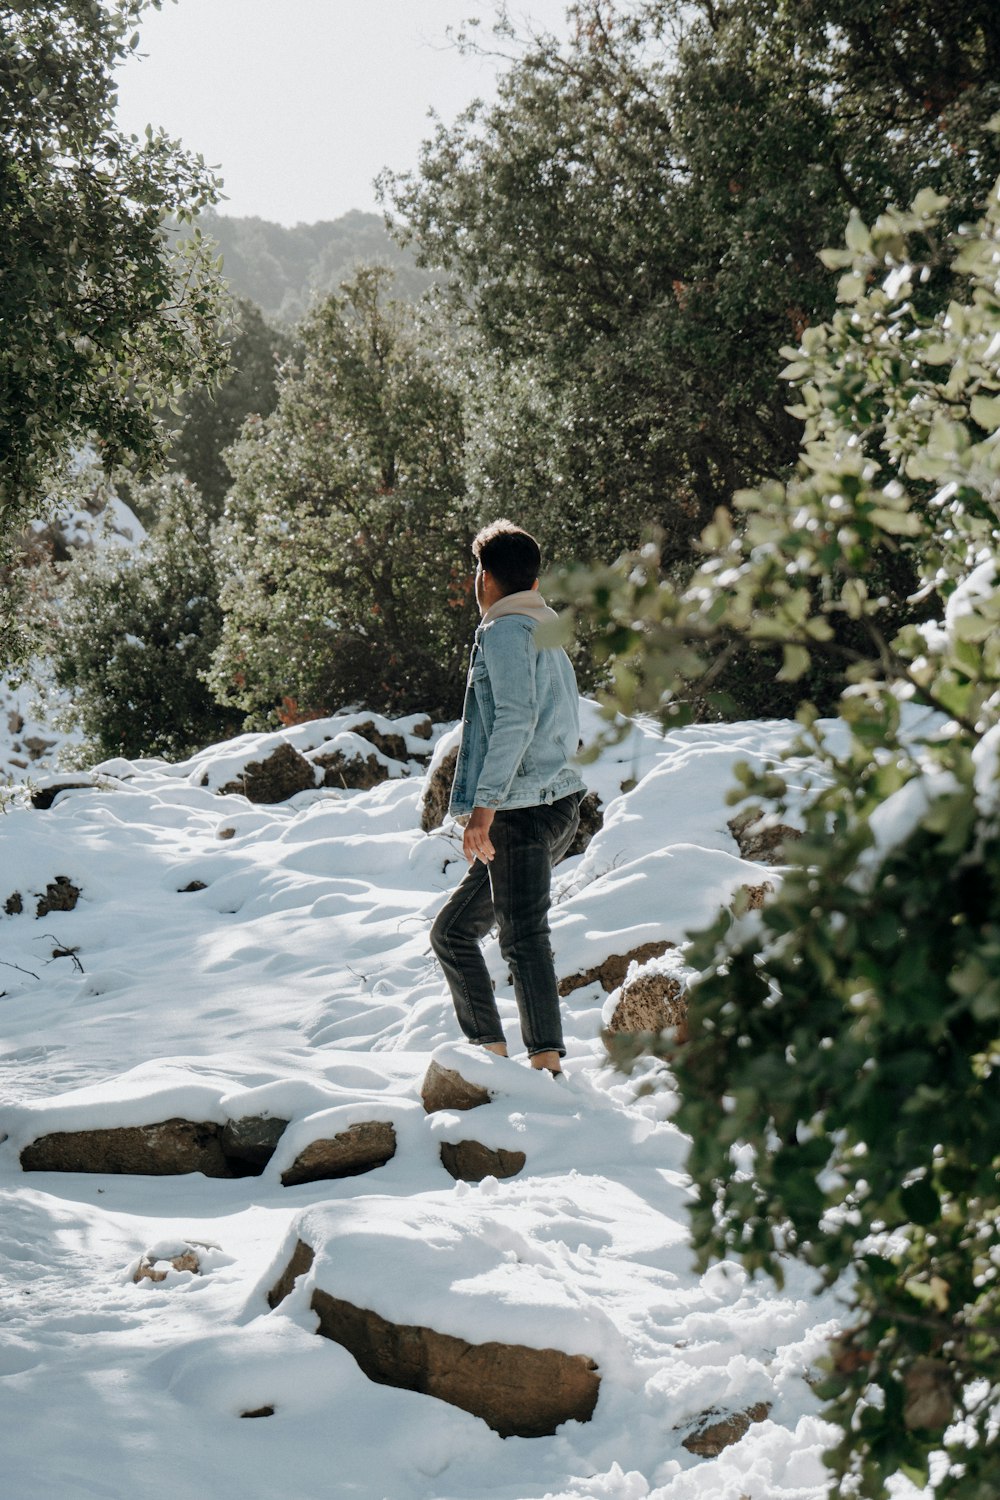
360	1148
166	1149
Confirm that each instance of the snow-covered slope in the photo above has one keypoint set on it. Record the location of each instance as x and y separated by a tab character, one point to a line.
225	959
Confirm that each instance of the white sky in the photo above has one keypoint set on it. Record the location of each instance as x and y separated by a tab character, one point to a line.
301	102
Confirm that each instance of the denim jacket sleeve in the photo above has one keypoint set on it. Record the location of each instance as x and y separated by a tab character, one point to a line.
510	656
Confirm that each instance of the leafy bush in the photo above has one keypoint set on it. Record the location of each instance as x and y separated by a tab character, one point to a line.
849	1034
135	634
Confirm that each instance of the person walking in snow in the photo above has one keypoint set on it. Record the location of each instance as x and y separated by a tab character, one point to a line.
519	795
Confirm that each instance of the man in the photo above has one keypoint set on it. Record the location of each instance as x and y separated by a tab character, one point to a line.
515	784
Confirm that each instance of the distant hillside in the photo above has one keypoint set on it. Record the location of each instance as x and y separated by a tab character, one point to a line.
284	270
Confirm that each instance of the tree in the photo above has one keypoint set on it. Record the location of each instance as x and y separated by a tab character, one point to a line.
631	232
211	418
849	1034
103	315
346	512
133	636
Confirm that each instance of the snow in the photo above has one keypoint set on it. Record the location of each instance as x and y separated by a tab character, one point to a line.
299	983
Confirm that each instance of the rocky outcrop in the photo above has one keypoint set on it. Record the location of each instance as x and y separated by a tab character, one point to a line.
469	1161
167	1149
763	843
60	895
714	1433
443	1088
359	1149
613	970
650	1002
519	1392
437	793
752	897
279	776
253	1139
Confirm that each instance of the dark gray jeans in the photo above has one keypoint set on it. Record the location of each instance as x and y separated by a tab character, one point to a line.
514	891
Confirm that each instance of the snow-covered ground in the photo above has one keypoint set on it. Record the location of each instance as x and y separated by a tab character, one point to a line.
297	980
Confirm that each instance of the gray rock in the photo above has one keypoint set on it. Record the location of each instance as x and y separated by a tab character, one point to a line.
253	1138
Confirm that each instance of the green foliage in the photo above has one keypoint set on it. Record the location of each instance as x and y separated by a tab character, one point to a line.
101	318
847	1037
134	636
346	514
210	418
631	231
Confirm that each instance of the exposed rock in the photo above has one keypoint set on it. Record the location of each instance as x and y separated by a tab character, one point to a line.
44	797
276	778
352	772
302	1258
519	1392
613	970
591	822
392	745
443	1088
468	1161
650	1002
715	1433
194	885
762	843
166	1149
253	1139
437	793
14	905
157	1267
261	1411
60	895
15	722
36	746
752	897
423	729
226	833
356	1150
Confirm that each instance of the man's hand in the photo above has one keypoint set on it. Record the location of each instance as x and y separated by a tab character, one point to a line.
476	842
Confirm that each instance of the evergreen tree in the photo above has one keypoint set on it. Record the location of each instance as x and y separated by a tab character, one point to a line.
344	539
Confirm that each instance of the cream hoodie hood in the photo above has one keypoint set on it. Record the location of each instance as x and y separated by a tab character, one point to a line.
527	602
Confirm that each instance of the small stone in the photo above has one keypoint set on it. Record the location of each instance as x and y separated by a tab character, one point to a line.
60	895
752	897
715	1433
14	905
194	885
469	1161
226	833
157	1268
359	1149
443	1088
261	1411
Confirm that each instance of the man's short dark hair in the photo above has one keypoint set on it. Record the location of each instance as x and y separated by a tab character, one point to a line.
510	554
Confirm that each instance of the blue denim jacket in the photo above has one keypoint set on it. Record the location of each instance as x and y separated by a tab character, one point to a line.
521	720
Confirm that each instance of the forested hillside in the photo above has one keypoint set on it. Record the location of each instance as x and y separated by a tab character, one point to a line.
284	270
